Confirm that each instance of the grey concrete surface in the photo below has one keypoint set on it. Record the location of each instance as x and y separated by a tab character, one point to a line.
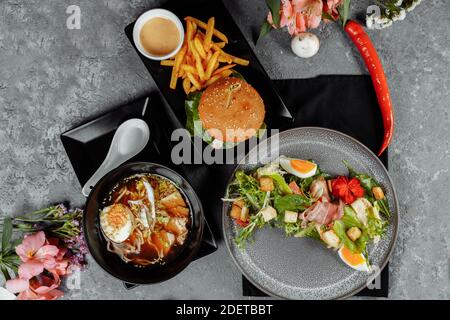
52	78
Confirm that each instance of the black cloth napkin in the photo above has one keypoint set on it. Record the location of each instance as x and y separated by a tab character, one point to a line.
345	103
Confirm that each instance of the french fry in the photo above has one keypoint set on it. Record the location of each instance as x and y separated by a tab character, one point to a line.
178	58
189	30
186	85
223	58
199	48
189	59
168	63
216	47
220	70
173	80
212	65
194	81
207	43
212	80
226	73
240	61
199	61
220	45
206	61
204	26
198	64
189	68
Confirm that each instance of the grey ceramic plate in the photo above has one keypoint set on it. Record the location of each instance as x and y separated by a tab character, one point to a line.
294	268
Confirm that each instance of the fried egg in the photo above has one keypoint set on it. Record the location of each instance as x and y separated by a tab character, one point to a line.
297	167
356	261
116	222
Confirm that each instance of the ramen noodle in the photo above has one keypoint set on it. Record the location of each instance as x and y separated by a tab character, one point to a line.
145	219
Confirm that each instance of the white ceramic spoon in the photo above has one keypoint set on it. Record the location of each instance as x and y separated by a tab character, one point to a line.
130	138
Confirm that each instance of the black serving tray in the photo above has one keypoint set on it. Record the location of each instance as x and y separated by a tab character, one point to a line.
87	145
277	115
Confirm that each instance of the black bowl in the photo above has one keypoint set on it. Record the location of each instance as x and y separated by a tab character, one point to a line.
112	263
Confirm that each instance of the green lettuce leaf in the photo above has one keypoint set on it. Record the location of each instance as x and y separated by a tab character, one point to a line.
340	230
281	183
193	122
291	202
350	218
361	242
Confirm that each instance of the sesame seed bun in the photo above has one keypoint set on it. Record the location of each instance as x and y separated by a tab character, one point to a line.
231	110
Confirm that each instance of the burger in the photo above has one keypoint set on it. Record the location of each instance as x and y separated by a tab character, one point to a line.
226	113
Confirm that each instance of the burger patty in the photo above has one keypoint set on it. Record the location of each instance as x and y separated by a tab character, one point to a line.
231	110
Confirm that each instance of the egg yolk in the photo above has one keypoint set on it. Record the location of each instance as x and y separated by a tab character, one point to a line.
354	259
302	166
118	216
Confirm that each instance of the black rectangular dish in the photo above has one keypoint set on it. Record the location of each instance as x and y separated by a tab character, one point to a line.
277	115
87	145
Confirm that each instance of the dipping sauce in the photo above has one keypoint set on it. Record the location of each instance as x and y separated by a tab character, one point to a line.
159	36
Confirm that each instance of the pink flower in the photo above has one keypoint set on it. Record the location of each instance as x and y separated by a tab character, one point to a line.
17	285
34	247
60	267
299	15
41	287
287	16
308	14
30	269
332	6
39	259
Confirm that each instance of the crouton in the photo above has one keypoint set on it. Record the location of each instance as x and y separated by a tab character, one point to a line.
268	213
290	216
266	184
378	193
240	203
331	239
354	233
235	212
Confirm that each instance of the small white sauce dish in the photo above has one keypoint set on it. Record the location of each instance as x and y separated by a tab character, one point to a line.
147	16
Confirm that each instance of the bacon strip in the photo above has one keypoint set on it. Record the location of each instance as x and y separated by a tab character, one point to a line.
323	213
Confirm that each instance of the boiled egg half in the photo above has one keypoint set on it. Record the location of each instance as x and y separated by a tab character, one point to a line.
356	261
116	222
298	167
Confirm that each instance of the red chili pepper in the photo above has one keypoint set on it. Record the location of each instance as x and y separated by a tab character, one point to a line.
370	56
347	190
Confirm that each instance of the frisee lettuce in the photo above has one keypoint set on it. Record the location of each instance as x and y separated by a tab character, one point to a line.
310	231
